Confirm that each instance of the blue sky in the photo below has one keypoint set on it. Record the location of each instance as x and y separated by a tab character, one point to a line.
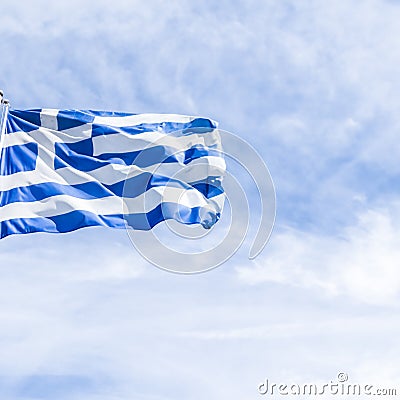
313	86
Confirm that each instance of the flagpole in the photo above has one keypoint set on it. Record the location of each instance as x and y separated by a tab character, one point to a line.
5	104
3	123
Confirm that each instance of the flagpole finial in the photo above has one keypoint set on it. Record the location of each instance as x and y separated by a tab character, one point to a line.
3	101
3	117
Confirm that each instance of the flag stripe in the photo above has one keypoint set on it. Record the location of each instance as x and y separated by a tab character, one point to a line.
197	170
154	119
94	189
116	137
143	203
79	219
131	124
65	154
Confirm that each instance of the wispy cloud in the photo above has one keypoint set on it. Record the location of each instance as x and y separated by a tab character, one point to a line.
362	261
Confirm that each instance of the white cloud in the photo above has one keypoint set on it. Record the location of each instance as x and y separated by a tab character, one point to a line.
362	261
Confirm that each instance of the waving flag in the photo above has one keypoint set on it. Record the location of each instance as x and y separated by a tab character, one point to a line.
62	170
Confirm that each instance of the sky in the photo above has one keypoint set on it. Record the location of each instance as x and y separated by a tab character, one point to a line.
313	86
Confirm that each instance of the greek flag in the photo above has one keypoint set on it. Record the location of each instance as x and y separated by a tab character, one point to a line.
61	170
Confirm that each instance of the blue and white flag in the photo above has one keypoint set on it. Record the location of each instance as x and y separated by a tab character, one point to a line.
61	170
